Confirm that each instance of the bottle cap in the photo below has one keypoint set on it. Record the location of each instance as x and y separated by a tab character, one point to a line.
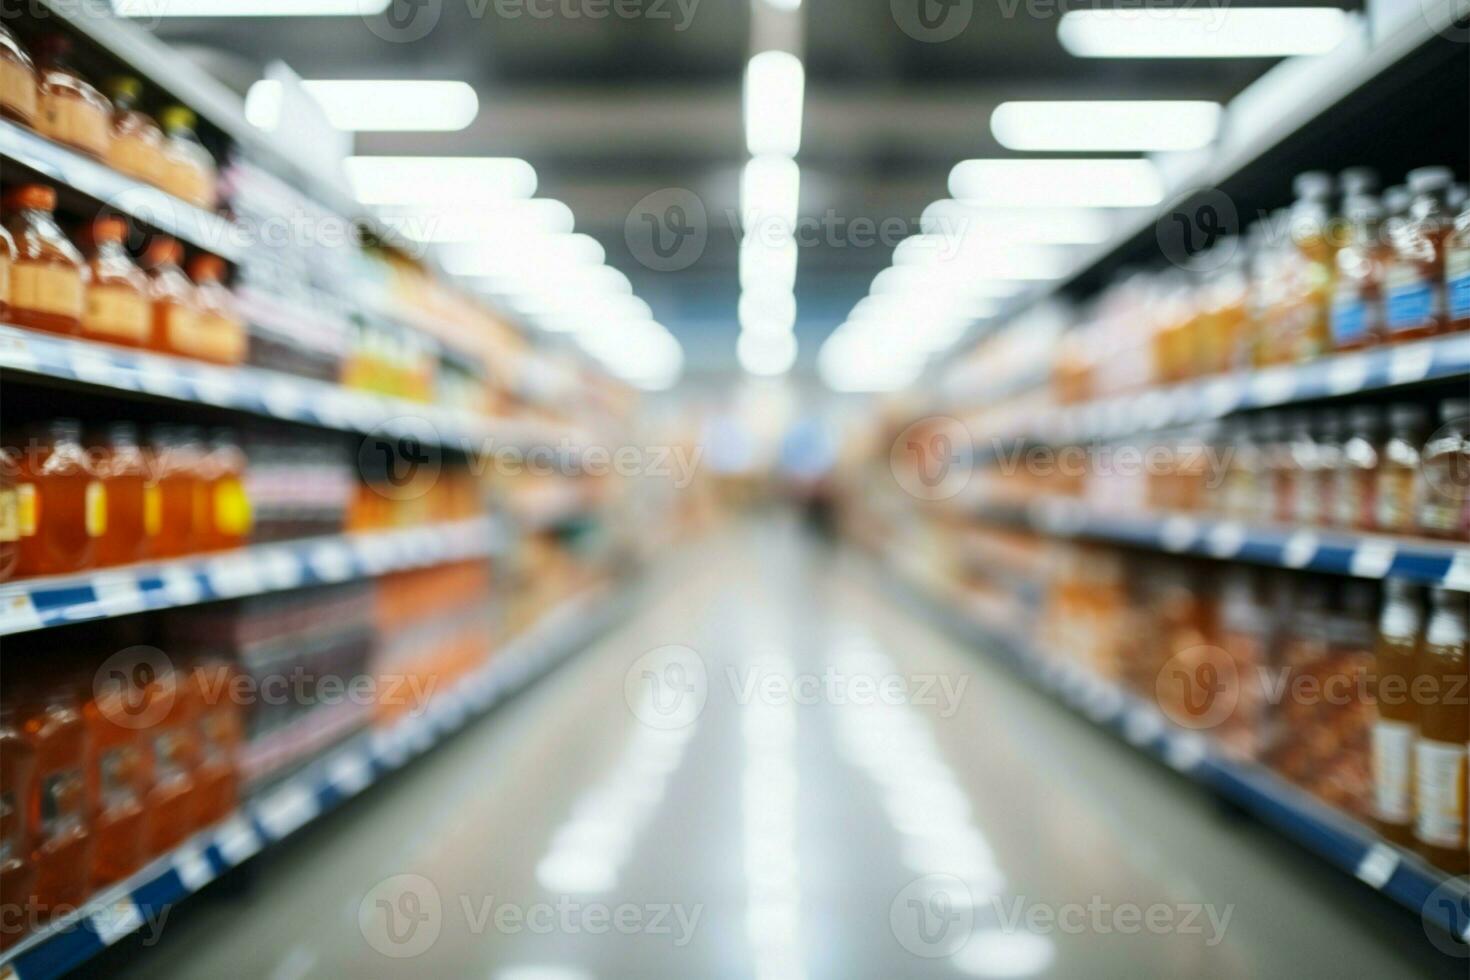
68	430
1362	208
1314	185
1454	409
109	229
124	88
31	197
122	433
178	117
1398	588
1357	180
1331	423
1430	180
1365	420
206	268
1403	418
1396	199
163	250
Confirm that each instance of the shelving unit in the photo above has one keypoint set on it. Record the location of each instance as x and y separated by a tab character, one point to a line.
1343	842
321	787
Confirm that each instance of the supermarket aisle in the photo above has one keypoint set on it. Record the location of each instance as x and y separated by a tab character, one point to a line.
789	829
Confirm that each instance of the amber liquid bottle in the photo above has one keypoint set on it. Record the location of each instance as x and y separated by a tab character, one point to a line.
117	308
1357	298
189	171
219	734
117	779
175	306
48	272
225	513
136	148
132	497
17	81
17	778
170	801
1414	283
7	263
221	335
71	110
1396	728
1457	272
61	502
63	845
176	460
1444	730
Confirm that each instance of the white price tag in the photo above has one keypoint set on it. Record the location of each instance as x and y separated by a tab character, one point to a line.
1300	549
238	840
1378	865
159	377
116	920
331	562
214	387
1372	559
1273	386
1141	727
234	575
1347	374
18	614
118	593
1410	364
1226	540
1458	575
282	398
193	867
90	366
350	773
287	809
1178	533
1186	751
181	585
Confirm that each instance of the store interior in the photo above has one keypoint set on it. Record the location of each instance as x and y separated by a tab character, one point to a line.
778	489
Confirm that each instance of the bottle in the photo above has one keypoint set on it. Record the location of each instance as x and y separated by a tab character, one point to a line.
220	735
17	81
1444	729
1331	429
1414	281
1457	271
7	263
1243	471
1444	489
71	110
227	515
46	278
9	517
1276	503
17	781
1357	298
1342	729
134	509
170	800
188	169
60	501
1397	491
1396	728
1306	334
221	334
1357	181
1306	471
175	306
1355	494
176	468
117	779
117	308
136	147
62	851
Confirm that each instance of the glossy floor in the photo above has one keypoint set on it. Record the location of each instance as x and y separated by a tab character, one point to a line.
774	769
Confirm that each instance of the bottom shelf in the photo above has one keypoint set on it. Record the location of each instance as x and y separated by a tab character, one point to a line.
1440	899
321	786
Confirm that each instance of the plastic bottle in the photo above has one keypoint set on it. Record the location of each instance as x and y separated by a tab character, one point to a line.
1277	500
1331	428
63	845
176	460
9	516
71	110
1414	282
175	305
133	505
1355	496
1306	470
17	782
1457	271
170	800
1397	726
227	513
1357	298
136	148
189	171
1306	333
117	779
47	275
1397	492
1444	728
1444	491
221	334
61	502
17	81
7	263
117	307
220	735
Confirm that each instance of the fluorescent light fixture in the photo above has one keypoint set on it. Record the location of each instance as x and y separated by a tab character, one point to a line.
365	105
770	193
774	83
767	311
535	259
248	8
953	261
1017	226
917	279
458	182
767	263
783	5
1102	126
766	354
1058	183
514	219
1225	32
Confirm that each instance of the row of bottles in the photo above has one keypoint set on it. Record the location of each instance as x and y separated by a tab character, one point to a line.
66	506
97	291
49	95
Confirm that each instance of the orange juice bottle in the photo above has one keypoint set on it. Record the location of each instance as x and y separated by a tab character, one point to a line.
117	308
226	516
1396	728
71	110
117	780
175	306
48	272
176	458
1414	283
136	148
63	844
1444	730
219	735
17	81
60	501
133	504
170	800
188	170
221	334
17	779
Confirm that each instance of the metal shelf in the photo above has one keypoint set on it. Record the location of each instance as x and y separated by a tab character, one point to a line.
40	603
324	785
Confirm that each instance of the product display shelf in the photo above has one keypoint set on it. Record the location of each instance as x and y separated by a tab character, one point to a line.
1342	841
116	192
323	785
55	600
260	392
1441	359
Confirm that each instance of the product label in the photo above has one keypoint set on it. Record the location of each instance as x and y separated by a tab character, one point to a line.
1396	500
9	515
116	313
133	156
46	287
61	802
1410	300
1393	769
27	509
180	329
4	281
96	509
1440	793
69	120
1350	320
152	510
1457	283
168	756
17	90
116	769
231	508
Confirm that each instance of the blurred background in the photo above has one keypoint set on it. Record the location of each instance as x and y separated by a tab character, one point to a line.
552	489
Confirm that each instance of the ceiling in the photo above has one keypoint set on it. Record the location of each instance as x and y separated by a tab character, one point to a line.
611	109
